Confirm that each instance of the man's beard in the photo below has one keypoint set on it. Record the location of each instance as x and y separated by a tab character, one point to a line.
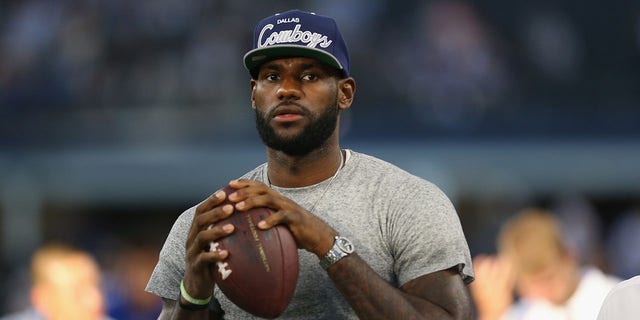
311	138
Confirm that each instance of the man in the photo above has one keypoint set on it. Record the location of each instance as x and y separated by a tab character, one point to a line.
534	261
66	285
411	259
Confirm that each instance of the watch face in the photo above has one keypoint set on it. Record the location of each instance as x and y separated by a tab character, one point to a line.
344	244
342	247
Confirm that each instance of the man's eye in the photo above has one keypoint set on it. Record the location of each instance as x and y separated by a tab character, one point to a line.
309	77
271	77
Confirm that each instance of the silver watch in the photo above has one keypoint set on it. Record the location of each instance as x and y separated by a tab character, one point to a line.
342	247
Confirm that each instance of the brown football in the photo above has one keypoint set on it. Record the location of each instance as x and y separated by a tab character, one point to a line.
261	272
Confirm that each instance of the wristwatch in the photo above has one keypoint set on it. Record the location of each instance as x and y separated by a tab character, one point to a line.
342	247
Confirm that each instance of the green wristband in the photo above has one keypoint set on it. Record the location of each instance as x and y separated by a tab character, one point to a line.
192	300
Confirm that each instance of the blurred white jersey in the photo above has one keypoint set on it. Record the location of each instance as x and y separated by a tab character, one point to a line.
584	304
623	302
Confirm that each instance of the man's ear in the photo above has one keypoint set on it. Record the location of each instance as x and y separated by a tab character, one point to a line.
346	92
253	90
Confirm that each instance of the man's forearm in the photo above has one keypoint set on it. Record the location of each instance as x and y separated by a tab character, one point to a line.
172	311
372	297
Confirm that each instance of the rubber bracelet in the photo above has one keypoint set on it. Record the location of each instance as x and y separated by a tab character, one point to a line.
192	300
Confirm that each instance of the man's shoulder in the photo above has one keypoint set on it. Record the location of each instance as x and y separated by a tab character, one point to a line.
630	283
373	164
386	172
620	302
627	287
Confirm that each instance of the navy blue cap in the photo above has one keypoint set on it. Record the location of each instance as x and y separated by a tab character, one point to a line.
297	33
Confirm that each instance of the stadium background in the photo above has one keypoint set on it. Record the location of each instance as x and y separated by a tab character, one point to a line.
117	115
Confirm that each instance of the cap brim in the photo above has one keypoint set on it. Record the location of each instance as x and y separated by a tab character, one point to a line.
256	57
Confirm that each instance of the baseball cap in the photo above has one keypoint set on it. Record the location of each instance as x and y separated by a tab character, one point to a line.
297	33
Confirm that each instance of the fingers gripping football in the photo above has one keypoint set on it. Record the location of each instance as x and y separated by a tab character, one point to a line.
203	231
310	232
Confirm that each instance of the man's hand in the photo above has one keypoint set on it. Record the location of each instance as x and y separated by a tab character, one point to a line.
198	279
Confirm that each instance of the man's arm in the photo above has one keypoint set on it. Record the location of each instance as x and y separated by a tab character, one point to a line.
439	295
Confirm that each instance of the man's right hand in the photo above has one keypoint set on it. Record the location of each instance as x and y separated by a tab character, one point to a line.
198	278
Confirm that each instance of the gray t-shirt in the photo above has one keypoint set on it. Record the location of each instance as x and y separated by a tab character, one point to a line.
401	225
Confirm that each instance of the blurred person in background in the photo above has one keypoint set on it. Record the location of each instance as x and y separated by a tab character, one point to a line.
535	262
622	301
66	285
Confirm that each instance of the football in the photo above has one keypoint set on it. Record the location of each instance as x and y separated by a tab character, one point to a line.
261	271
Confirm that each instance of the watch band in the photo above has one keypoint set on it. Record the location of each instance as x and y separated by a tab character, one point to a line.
342	247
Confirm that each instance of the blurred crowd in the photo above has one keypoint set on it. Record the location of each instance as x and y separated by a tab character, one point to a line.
94	68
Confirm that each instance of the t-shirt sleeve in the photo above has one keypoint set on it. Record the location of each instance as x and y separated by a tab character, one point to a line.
426	234
169	271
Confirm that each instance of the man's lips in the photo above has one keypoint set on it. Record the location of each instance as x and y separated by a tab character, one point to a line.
288	113
288	117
